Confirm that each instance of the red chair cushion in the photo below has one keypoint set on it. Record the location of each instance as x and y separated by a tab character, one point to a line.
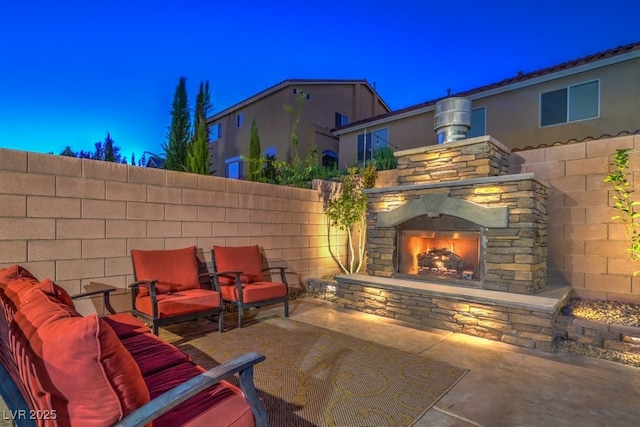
74	365
183	302
246	259
178	268
223	404
254	292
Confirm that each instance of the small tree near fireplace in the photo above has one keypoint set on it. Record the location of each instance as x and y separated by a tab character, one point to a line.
347	212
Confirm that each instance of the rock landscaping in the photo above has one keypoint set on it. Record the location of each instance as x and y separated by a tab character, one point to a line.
604	329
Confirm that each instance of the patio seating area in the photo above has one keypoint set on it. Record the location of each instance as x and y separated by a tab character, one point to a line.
506	385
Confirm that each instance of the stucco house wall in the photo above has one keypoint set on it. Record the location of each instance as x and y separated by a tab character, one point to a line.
355	99
513	111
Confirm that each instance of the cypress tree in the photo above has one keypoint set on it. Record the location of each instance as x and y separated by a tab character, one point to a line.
198	154
255	163
179	132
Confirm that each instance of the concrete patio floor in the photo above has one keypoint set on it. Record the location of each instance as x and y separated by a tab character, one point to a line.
505	386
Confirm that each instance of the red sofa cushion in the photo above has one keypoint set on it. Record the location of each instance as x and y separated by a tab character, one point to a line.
55	291
177	268
183	302
223	404
246	259
254	292
153	354
74	365
15	272
125	325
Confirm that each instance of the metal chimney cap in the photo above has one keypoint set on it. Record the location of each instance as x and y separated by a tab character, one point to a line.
452	119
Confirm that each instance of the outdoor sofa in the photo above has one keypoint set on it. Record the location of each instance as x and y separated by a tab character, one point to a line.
59	368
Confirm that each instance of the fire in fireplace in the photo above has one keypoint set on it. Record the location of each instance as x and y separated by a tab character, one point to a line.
439	249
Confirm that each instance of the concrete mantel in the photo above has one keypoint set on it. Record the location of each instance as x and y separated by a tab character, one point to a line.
489	180
434	205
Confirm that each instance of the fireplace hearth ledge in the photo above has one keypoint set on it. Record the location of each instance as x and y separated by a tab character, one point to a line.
547	301
518	319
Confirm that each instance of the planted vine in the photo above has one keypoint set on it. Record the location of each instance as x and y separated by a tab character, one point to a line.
626	207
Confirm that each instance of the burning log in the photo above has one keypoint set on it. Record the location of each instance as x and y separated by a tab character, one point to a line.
441	259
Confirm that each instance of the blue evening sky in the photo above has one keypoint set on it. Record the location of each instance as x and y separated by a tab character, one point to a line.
71	71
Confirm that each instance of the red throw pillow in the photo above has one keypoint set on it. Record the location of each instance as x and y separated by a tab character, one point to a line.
230	279
246	259
179	266
161	288
75	365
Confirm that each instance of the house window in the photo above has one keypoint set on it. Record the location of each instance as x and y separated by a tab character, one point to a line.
368	142
341	120
478	122
570	104
239	120
329	159
233	167
215	132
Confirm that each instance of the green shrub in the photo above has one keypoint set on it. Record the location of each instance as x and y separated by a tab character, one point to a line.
385	159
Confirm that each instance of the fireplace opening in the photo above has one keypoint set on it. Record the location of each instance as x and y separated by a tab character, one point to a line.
443	249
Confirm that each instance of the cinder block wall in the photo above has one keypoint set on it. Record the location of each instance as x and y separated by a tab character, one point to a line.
76	220
587	249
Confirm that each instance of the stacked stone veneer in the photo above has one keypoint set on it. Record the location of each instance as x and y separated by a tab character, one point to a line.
469	158
515	252
517	324
598	335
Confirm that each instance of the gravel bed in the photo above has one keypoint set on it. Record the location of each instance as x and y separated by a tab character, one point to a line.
611	312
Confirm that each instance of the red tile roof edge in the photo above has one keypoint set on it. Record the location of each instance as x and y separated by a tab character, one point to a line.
288	82
520	77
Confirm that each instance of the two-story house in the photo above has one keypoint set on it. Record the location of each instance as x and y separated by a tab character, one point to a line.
587	98
317	106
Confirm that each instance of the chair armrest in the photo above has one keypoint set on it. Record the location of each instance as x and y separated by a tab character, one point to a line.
275	268
242	365
152	294
282	274
227	273
106	294
150	282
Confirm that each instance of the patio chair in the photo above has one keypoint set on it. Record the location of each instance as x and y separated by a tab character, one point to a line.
168	290
238	273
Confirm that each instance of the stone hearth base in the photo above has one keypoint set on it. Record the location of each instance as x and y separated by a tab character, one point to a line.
522	320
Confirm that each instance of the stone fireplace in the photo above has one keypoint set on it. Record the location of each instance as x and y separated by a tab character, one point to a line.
456	217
